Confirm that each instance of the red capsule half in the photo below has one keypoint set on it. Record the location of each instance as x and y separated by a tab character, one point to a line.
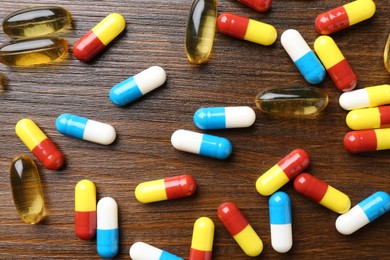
258	5
367	140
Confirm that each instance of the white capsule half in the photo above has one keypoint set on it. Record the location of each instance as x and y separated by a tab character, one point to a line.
281	237
143	251
354	99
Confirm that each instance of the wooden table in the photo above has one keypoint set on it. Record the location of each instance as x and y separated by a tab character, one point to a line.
236	72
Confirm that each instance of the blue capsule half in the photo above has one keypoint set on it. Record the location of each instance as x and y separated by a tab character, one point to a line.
107	242
311	68
376	205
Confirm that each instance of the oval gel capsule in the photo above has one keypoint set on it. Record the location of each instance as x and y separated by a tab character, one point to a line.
363	213
202	144
366	97
367	140
202	239
369	118
143	251
107	232
258	5
135	87
386	54
85	129
85	209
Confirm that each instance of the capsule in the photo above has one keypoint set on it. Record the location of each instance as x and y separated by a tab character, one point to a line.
322	193
243	28
26	190
34	51
85	209
258	5
85	129
366	97
35	22
202	239
335	63
292	101
280	222
107	232
363	213
224	117
94	41
135	87
202	144
143	251
386	55
239	227
165	189
344	16
39	144
2	84
368	118
367	140
282	172
200	30
303	57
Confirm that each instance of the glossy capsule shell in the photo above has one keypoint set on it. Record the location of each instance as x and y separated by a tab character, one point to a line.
27	190
35	22
165	189
239	227
303	57
320	192
202	239
367	140
258	5
344	16
135	87
85	129
202	144
144	251
243	28
366	97
363	213
94	41
107	232
39	144
280	222
369	118
33	51
282	172
85	209
209	118
335	63
386	54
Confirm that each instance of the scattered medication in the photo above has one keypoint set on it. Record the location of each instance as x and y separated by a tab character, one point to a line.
386	55
293	101
303	57
243	28
366	97
369	118
239	227
85	209
165	189
94	41
200	30
27	190
39	144
280	221
318	191
335	63
258	5
143	251
85	129
202	239
224	117
367	140
344	16
107	232
33	51
363	213
35	22
135	87
282	172
202	144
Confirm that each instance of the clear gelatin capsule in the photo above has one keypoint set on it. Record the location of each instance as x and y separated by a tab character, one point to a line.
27	190
298	101
2	84
386	54
35	22
33	51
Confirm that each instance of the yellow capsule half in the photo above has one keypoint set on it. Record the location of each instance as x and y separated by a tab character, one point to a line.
202	239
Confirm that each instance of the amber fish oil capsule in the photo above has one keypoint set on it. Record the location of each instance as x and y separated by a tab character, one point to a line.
386	55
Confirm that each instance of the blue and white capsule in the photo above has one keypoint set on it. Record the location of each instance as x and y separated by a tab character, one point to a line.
209	118
85	129
107	232
143	251
280	220
303	57
202	144
135	87
363	213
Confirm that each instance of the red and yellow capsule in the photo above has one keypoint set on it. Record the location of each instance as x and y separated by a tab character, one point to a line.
322	193
335	63
258	5
94	41
369	118
367	140
85	209
39	144
202	239
247	29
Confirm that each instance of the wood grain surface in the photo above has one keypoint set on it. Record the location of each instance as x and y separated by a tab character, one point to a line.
236	72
